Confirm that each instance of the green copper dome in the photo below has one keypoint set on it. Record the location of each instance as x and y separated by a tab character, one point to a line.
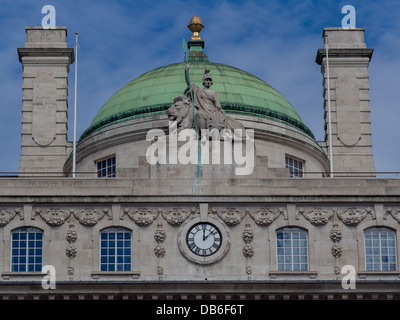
154	92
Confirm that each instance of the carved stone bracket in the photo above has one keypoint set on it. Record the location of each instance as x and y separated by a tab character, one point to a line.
265	216
54	216
141	216
6	215
231	216
89	217
317	216
353	216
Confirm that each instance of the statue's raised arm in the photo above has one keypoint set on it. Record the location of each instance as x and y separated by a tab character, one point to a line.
209	114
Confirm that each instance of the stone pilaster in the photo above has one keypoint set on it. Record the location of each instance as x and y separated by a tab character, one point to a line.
45	59
349	59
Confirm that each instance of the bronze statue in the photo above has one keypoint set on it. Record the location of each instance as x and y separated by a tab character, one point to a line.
208	110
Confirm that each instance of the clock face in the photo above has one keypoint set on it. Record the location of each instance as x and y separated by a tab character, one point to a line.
204	239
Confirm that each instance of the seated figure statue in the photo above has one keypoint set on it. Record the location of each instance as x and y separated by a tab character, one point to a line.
209	114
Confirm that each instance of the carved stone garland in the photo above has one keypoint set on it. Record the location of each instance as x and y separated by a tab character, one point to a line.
89	217
353	216
395	213
159	250
248	250
265	216
317	216
53	216
231	216
141	216
176	216
349	216
336	249
6	215
71	250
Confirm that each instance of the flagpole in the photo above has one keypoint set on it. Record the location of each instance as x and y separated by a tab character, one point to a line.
194	116
75	98
329	108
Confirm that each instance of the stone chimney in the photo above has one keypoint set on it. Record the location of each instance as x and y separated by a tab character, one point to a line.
349	59
45	60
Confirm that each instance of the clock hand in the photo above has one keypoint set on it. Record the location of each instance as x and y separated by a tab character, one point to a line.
204	234
207	236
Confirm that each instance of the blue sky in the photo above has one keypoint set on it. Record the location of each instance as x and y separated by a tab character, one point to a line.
275	40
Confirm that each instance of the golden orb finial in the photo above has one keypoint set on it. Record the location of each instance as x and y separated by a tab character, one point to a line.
195	25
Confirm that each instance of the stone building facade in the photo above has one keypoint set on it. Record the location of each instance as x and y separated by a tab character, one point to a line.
128	229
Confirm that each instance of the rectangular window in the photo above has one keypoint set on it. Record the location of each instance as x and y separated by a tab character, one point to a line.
292	249
106	168
26	250
380	250
295	166
115	250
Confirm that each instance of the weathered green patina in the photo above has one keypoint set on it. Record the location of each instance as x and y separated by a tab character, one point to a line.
154	92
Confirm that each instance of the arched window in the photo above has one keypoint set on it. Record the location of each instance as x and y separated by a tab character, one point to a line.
380	249
26	249
115	249
292	249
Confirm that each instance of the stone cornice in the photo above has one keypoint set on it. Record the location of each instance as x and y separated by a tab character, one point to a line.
200	290
46	52
344	53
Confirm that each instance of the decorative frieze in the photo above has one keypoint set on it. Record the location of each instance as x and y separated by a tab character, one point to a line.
176	216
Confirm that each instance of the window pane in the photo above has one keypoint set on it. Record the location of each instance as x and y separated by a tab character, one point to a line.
106	168
295	167
115	253
380	249
26	250
292	251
